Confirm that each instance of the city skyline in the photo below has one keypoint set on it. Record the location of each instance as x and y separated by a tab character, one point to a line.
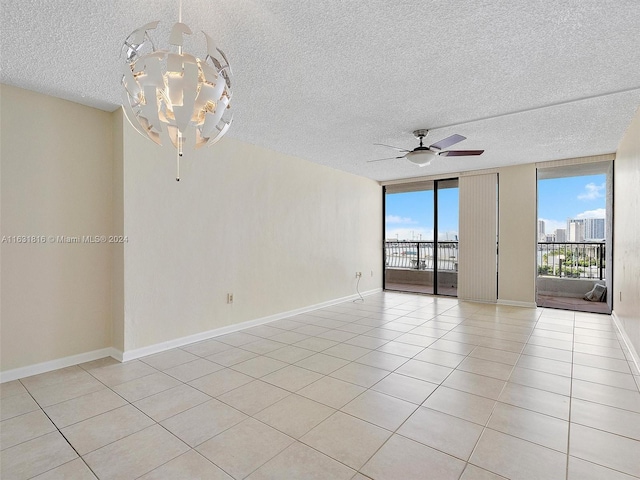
409	215
577	198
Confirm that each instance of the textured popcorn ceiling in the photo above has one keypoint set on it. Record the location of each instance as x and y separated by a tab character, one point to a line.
324	80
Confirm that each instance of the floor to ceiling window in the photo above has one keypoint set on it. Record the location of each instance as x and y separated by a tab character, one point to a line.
421	237
574	213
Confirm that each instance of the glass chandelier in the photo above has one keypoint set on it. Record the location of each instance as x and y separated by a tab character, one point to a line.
170	95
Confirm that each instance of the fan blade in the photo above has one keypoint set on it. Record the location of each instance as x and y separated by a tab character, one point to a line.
383	159
460	153
447	142
391	146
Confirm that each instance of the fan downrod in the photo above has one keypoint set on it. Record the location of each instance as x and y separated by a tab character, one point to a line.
420	134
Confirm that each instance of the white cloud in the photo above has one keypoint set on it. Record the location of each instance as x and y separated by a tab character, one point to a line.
551	226
449	235
592	192
597	213
397	219
410	234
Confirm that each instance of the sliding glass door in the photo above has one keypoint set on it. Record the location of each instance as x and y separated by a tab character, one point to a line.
421	232
574	237
446	224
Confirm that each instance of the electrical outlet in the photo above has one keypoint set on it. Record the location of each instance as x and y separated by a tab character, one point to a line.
229	297
358	274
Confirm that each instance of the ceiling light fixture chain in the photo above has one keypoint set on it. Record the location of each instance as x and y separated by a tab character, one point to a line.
170	95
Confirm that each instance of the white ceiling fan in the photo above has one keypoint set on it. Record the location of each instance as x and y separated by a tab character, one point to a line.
422	156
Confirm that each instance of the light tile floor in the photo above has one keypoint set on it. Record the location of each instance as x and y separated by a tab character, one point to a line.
396	387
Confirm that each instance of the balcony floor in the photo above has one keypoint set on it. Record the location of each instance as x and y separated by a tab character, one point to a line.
574	304
421	289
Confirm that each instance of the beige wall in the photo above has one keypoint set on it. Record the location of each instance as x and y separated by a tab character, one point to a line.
117	272
626	236
56	162
278	232
517	235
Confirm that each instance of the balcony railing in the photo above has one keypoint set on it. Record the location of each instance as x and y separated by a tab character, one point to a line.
419	255
572	260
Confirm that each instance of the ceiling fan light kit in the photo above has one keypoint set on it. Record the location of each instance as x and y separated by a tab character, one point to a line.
421	158
172	96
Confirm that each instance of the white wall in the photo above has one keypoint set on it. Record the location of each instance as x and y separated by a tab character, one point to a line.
56	180
278	232
626	236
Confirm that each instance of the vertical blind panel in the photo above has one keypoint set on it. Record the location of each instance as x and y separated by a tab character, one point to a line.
410	187
576	161
477	276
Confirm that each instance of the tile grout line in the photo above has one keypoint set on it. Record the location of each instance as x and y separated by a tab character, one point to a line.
128	403
59	431
290	393
353	416
168	431
484	429
573	343
395	432
163	427
126	436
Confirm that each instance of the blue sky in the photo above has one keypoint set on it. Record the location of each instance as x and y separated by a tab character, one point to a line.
573	197
410	215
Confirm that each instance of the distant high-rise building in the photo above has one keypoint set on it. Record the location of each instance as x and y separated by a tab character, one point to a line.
551	237
569	222
590	229
594	228
576	231
541	231
561	235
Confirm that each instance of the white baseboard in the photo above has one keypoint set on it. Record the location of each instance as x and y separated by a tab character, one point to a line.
635	358
198	337
117	354
475	300
44	367
512	303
